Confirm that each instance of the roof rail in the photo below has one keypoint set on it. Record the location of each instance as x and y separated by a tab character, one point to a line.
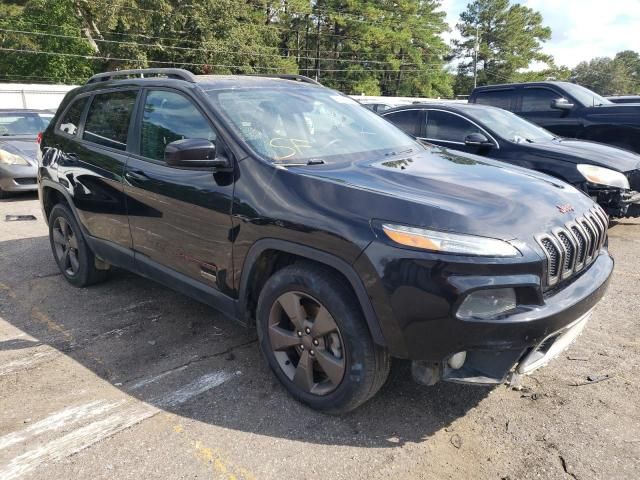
288	76
177	73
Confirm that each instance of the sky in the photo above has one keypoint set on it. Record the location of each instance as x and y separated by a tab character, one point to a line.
581	29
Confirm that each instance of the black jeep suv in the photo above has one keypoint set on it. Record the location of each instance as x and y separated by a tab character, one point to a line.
290	207
568	110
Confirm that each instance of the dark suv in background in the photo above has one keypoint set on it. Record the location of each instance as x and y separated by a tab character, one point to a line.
601	171
290	207
568	110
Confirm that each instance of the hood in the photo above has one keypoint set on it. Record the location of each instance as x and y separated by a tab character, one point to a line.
580	151
26	147
462	193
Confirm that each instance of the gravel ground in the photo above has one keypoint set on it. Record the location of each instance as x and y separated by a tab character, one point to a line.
128	379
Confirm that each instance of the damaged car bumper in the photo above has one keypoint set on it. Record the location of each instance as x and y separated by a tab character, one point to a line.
444	346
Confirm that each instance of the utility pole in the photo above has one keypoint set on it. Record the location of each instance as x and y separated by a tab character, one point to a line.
475	58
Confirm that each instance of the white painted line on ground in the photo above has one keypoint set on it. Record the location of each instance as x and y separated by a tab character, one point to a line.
86	436
146	381
27	361
59	419
201	385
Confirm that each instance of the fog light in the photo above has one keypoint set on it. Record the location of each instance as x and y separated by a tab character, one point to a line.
457	360
487	303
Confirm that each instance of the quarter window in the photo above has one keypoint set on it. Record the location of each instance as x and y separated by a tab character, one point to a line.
70	123
537	99
448	127
406	120
108	119
170	116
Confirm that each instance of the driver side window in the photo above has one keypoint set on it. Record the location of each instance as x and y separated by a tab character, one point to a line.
170	116
447	127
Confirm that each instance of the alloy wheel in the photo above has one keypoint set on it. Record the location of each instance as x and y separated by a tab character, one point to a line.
307	343
66	246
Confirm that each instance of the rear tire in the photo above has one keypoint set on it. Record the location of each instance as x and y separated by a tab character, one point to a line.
70	250
313	334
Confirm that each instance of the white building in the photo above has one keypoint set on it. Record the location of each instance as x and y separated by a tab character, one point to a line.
37	96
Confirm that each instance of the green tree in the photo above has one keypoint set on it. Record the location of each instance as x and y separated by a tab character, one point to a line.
58	33
510	40
606	76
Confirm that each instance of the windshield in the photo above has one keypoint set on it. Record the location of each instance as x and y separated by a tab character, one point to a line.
294	126
585	96
511	126
23	123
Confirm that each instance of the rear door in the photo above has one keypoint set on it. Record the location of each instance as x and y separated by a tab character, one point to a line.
180	218
91	142
407	120
535	106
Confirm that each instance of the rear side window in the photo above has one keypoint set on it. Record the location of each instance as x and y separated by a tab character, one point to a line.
406	120
448	127
538	99
108	119
70	122
170	116
496	98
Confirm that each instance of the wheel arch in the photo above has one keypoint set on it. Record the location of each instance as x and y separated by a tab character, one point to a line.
53	194
268	255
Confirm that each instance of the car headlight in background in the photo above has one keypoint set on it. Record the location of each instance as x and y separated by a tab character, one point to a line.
485	304
448	242
11	158
603	176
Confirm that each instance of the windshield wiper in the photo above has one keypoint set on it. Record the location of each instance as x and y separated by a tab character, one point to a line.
301	164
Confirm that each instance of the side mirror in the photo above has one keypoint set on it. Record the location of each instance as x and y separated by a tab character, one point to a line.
561	104
194	153
477	140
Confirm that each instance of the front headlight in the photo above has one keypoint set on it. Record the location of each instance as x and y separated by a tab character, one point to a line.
448	242
603	176
11	159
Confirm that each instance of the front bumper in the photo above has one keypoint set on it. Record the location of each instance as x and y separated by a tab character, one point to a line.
423	294
18	178
616	202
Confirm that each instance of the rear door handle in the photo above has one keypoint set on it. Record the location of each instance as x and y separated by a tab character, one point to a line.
137	176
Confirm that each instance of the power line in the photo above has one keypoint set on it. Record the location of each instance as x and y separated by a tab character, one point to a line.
193	64
175	39
192	49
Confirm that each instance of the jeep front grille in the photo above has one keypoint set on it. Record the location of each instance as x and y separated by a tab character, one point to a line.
570	249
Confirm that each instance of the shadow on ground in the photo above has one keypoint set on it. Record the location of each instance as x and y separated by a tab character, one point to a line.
130	329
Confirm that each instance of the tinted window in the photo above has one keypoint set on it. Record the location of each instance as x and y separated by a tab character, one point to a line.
22	123
169	116
71	120
448	127
108	119
538	100
497	98
407	120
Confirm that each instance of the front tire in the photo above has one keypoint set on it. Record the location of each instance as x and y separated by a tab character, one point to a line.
312	332
70	250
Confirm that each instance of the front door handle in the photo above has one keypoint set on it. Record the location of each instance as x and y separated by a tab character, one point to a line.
136	176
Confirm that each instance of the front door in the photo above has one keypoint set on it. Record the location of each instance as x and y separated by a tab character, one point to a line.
535	106
450	130
180	218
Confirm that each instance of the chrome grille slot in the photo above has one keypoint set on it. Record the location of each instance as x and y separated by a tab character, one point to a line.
554	259
581	238
570	253
570	249
591	237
